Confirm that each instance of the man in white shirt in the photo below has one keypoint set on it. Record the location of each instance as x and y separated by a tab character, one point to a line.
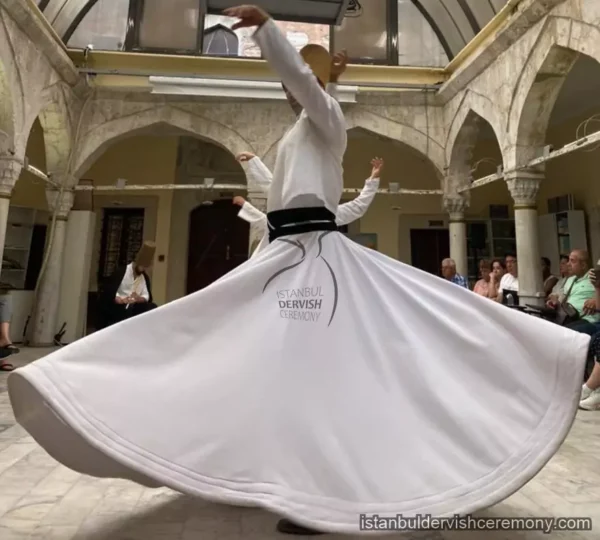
509	284
127	292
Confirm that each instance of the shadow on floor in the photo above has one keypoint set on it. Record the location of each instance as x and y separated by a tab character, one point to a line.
184	518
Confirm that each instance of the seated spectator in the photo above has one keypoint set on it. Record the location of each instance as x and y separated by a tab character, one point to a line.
127	292
579	292
509	283
6	346
590	393
498	270
550	280
449	272
482	287
558	289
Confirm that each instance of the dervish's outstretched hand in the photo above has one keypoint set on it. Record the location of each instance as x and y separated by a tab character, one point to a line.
248	14
377	164
339	63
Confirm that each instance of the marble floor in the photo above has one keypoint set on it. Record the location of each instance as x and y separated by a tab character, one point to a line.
42	500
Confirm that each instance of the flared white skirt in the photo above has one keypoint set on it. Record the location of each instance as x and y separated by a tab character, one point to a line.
320	380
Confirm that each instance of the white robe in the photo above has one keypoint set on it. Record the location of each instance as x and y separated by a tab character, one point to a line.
346	213
320	379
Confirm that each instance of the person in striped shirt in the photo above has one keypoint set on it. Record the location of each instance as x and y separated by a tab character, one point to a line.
449	272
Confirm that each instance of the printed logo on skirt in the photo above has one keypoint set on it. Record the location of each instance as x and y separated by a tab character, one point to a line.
304	303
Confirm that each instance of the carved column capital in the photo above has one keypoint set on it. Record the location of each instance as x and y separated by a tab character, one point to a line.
10	170
456	205
60	204
524	187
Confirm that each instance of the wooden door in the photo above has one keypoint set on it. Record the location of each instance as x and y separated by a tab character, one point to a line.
218	243
429	247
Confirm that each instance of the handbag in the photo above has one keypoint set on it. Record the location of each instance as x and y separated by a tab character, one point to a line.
565	312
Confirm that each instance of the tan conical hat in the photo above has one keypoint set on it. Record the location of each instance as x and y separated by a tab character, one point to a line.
145	256
319	60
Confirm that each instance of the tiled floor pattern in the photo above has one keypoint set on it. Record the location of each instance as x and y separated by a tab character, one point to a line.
42	500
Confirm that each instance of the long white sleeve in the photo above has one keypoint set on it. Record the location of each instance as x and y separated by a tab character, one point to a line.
321	108
353	210
251	214
332	90
259	177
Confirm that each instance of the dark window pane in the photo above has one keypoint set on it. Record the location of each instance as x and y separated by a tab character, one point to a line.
221	41
104	26
169	25
246	46
365	36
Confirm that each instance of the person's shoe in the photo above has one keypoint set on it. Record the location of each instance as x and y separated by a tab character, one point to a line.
592	402
285	526
585	392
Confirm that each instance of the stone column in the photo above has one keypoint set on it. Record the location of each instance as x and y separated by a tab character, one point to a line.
75	279
259	201
524	187
456	205
10	170
44	321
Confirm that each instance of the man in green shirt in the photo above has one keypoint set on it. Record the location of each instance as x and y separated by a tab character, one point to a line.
580	293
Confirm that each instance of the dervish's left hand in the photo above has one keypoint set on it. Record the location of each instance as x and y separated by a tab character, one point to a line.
339	62
239	201
377	164
250	16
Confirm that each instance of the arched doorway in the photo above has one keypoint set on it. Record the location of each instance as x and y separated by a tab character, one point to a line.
218	243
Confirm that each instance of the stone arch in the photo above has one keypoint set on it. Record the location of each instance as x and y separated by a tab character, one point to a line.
474	111
552	57
379	125
52	112
418	140
472	104
101	136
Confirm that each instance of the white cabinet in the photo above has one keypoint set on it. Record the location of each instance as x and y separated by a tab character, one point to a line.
17	245
561	233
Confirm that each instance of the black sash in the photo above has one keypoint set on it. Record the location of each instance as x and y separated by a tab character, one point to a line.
300	220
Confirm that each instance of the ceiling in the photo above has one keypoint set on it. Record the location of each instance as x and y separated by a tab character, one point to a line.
457	22
453	23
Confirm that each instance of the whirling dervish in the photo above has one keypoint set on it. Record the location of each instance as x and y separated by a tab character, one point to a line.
319	380
259	175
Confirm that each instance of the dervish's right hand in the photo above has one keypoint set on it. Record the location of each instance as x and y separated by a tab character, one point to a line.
240	201
250	16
